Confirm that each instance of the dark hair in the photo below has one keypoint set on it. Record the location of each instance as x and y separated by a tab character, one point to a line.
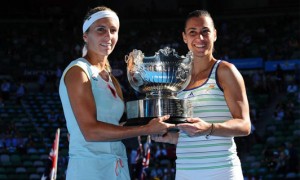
198	13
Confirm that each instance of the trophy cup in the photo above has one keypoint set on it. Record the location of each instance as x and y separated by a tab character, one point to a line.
160	78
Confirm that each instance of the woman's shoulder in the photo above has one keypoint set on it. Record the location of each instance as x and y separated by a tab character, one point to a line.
227	70
79	62
226	67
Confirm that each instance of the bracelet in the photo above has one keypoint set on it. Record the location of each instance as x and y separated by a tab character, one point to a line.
211	131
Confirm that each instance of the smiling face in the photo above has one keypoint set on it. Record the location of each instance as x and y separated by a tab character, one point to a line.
200	35
102	36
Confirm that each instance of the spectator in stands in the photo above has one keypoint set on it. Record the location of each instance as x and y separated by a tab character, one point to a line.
42	79
293	160
282	160
61	118
205	145
270	157
20	93
1	102
58	74
2	143
297	74
292	88
169	172
5	89
93	105
52	116
160	153
279	78
298	97
256	81
279	112
133	156
289	111
156	172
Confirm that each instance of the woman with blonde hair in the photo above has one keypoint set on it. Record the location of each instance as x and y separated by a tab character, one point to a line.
93	105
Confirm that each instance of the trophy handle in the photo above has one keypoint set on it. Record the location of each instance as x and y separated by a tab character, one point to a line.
126	58
182	73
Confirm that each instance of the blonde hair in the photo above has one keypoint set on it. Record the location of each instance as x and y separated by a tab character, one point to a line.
107	65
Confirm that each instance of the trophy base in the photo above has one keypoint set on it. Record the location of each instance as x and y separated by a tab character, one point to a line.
144	121
140	112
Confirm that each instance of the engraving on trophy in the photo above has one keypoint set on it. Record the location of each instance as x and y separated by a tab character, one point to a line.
160	78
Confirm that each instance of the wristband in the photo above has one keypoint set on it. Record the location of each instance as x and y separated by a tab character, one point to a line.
211	131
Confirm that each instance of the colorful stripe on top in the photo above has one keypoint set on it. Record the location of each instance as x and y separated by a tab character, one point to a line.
199	153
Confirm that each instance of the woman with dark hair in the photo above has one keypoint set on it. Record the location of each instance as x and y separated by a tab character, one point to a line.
205	145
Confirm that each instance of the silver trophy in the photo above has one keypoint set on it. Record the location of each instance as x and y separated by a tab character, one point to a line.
160	78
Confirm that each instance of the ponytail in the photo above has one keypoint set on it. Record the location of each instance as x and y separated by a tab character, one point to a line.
117	86
84	50
114	79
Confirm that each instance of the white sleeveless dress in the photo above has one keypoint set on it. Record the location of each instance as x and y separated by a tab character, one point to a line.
95	160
